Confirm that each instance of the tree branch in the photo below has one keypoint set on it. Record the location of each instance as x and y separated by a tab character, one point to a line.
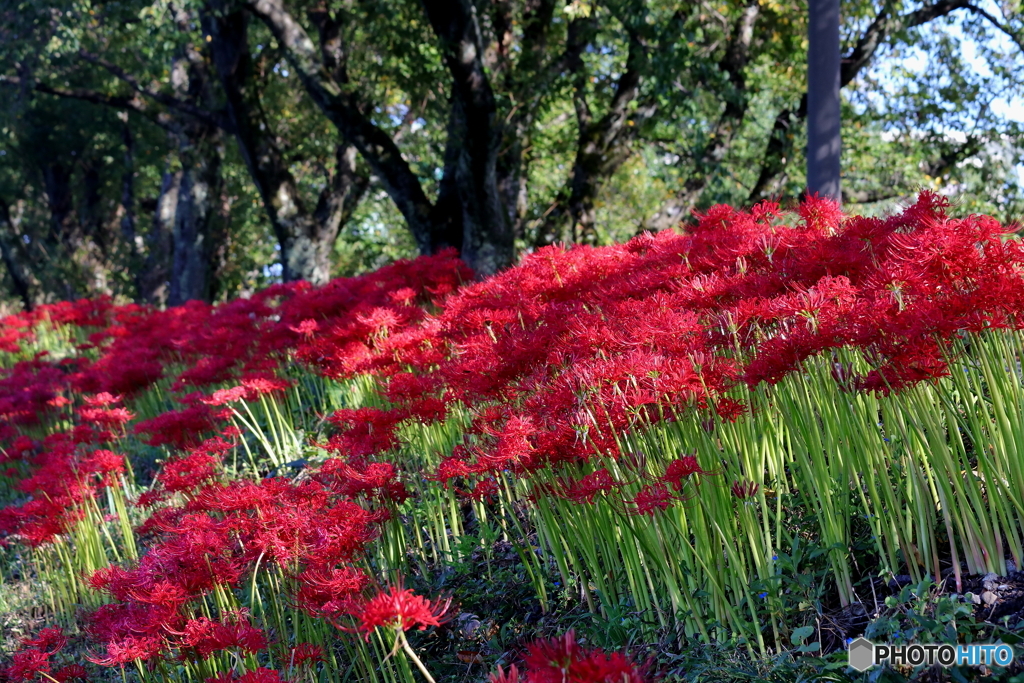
207	117
373	143
114	101
998	24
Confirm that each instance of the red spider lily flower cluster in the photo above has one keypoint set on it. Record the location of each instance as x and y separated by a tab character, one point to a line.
34	660
553	360
217	539
304	654
678	483
572	346
564	660
259	675
65	470
204	636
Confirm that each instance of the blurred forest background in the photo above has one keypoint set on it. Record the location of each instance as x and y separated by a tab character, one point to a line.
163	151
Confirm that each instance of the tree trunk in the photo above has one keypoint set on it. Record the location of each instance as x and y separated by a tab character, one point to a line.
708	160
57	183
306	238
527	83
12	252
197	227
199	233
823	117
446	214
128	187
488	244
778	151
334	208
153	281
92	228
604	144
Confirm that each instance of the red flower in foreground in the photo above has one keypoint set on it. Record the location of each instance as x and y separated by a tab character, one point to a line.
27	665
563	660
398	608
260	675
71	672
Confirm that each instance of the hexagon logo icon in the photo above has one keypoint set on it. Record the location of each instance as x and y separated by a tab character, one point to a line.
862	654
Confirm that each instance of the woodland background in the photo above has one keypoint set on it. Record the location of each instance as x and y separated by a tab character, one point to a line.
164	151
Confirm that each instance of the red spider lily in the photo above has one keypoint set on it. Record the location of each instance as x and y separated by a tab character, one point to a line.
181	428
744	490
126	650
587	488
71	672
399	608
653	498
49	640
553	359
502	676
27	665
224	396
97	411
259	675
730	409
330	592
452	468
103	463
678	472
186	473
364	431
305	654
307	328
563	660
484	490
215	539
206	637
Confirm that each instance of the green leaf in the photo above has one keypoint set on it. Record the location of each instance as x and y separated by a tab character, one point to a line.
801	634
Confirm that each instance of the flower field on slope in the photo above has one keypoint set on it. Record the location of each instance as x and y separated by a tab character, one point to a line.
666	432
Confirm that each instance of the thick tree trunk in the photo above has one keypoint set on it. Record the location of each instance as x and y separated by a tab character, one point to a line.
446	214
198	232
488	244
306	238
527	84
154	279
